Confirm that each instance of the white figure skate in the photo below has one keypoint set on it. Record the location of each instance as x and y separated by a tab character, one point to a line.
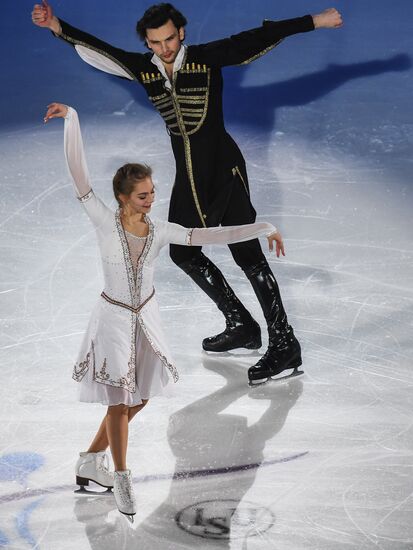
124	495
93	467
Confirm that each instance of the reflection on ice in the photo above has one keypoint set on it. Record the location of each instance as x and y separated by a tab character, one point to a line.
348	435
320	462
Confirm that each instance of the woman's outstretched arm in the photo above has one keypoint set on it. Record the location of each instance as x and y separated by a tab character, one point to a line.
238	234
73	146
226	235
76	160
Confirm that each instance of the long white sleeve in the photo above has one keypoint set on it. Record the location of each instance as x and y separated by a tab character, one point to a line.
75	155
177	234
231	234
77	166
101	62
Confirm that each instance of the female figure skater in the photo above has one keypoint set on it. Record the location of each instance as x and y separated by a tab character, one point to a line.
124	359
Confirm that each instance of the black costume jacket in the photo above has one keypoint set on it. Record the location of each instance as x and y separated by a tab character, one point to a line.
209	164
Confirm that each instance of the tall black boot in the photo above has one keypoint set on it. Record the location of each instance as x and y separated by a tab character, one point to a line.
241	330
284	351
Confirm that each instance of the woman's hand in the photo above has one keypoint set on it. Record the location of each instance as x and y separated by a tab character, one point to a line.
55	110
279	243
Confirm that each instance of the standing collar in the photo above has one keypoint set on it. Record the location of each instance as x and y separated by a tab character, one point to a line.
177	64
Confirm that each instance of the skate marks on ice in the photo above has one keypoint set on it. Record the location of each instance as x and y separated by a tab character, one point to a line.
234	375
180	476
207	442
200	460
346	284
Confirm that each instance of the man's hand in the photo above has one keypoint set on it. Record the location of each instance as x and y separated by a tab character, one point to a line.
55	110
42	16
328	19
279	244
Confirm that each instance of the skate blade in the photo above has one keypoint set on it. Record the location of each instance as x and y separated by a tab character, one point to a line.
82	491
293	374
284	378
129	517
237	352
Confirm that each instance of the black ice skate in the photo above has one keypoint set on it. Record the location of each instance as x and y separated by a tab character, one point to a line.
282	356
241	330
284	351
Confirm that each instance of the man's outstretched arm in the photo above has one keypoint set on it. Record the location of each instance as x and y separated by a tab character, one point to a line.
249	45
92	50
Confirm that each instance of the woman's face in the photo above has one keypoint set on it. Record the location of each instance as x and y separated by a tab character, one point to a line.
142	196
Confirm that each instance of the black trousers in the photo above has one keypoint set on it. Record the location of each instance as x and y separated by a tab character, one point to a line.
238	211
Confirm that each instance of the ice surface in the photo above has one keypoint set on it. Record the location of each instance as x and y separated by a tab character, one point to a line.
322	462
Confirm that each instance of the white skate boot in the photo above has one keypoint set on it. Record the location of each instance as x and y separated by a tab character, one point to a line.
94	467
123	491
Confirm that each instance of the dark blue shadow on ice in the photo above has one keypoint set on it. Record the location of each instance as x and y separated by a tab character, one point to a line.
256	106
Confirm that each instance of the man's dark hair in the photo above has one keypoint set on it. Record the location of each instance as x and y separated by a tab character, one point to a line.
156	16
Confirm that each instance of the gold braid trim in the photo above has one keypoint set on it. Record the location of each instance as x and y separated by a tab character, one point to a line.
162	102
191	98
260	54
155	98
190	110
236	171
202	89
205	106
193	115
105	54
188	157
187	123
167	113
170	117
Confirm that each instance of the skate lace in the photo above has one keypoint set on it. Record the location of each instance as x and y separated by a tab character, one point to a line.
102	463
126	488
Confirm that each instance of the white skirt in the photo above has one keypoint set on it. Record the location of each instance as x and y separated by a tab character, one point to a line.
151	379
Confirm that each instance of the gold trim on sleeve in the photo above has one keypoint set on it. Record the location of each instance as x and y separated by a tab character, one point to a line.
260	54
105	54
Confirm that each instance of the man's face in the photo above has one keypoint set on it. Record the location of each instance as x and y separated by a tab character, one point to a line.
165	41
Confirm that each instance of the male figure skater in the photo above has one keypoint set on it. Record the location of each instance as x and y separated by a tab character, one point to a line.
184	84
